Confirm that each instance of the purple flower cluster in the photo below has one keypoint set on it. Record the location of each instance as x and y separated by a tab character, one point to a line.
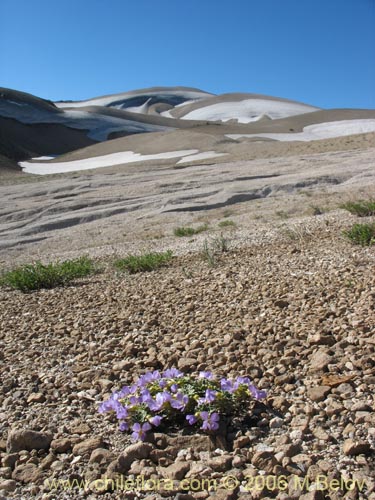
166	397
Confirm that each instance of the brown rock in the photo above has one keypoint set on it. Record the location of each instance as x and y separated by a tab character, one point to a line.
318	393
61	445
137	451
320	360
9	460
177	470
25	439
36	397
101	456
199	442
8	485
220	463
26	473
351	447
186	365
88	446
264	460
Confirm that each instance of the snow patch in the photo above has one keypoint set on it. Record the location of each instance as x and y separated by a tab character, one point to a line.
248	110
99	161
319	131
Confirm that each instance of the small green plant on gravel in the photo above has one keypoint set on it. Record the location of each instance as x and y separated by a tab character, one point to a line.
172	398
362	208
361	234
228	212
316	210
189	231
146	262
37	276
213	248
227	223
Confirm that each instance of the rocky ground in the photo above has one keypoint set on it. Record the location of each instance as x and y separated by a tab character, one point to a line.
294	311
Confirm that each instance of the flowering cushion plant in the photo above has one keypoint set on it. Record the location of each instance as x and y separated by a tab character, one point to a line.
173	397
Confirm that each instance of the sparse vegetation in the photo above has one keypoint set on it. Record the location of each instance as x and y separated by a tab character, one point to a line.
228	212
361	234
37	276
190	231
317	210
282	214
146	262
227	223
213	248
362	208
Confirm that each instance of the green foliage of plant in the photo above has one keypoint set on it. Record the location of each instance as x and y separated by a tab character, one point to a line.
227	223
361	234
146	262
173	398
213	248
362	208
190	231
37	276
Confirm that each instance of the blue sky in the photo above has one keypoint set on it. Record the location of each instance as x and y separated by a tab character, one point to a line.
321	52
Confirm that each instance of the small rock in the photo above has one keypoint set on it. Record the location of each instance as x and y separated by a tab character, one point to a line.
36	397
276	423
318	393
177	470
186	365
26	473
264	460
9	460
8	485
351	447
320	360
241	442
101	456
61	445
88	446
26	439
136	451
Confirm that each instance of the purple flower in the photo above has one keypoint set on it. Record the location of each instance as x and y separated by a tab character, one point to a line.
173	388
125	391
123	426
106	406
207	375
134	400
256	393
226	385
147	378
172	373
155	420
242	381
161	399
209	397
210	421
180	401
192	419
121	412
139	431
145	396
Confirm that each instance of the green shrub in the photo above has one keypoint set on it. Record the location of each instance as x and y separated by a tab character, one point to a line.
36	276
362	208
145	262
361	234
190	231
227	223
